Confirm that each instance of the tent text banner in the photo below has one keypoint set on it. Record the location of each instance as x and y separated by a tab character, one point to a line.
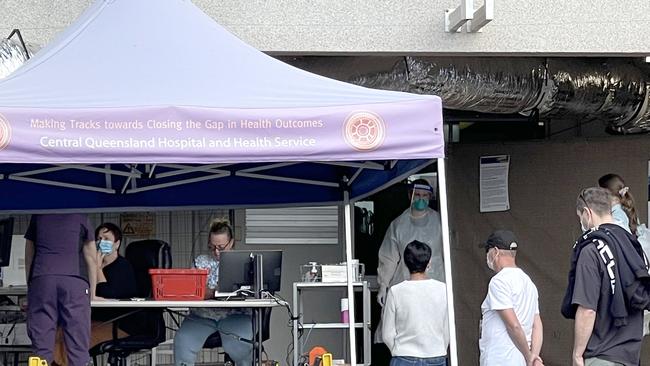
199	135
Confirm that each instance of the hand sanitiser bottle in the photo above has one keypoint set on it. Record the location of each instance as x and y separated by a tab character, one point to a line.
345	311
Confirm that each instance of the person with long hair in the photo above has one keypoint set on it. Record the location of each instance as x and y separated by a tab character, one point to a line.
623	210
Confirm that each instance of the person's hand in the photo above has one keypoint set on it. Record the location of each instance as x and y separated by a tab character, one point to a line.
534	360
98	298
23	304
578	361
381	296
99	258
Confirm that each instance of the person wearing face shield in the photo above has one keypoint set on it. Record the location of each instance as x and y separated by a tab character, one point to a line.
418	222
511	328
607	288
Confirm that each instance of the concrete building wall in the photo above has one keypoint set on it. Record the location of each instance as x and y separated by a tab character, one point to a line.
520	27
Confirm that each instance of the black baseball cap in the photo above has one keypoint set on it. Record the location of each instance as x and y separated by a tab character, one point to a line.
502	239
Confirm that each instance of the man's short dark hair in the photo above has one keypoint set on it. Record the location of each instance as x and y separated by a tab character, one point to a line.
417	256
597	199
109	226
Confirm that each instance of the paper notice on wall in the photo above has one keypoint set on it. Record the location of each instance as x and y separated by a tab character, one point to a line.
494	183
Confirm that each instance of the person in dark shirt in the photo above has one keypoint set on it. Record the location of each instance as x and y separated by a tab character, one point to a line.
598	339
115	280
115	275
61	275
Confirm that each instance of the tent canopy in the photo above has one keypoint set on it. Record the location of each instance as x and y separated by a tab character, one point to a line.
146	104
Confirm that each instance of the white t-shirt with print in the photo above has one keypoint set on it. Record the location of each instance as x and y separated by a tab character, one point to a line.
511	288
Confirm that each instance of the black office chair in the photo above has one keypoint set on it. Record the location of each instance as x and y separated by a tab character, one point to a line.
214	340
146	328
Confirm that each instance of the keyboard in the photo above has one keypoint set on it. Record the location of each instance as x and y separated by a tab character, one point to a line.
232	296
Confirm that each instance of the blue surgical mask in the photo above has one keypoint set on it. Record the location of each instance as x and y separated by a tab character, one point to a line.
420	204
105	246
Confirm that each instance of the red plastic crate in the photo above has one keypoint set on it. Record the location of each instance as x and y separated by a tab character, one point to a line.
178	284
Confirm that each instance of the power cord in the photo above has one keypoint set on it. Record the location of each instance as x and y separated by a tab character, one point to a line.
291	346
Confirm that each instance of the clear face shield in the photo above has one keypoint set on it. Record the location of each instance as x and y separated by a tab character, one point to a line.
420	196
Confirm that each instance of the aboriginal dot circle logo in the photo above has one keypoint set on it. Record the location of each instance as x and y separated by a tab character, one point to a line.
364	131
5	132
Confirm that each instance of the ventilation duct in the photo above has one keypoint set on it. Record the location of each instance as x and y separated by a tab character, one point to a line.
640	123
614	92
611	92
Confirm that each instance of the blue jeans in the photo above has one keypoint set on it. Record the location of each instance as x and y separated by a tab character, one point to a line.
417	361
191	336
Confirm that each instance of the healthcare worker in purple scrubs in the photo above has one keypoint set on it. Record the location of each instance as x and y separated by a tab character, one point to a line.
60	262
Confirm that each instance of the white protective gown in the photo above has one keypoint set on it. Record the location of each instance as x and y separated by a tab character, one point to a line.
403	230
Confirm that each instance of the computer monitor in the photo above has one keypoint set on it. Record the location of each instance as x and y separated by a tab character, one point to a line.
236	269
6	235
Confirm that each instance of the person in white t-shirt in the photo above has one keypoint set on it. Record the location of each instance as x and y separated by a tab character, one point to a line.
511	328
415	324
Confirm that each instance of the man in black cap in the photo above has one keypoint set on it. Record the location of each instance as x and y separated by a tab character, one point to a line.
511	328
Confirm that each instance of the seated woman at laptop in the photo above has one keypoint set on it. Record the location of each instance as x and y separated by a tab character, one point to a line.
115	280
232	324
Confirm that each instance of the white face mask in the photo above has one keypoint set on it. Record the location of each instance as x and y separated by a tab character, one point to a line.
490	263
584	226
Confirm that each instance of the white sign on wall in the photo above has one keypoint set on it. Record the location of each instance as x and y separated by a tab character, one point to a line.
493	183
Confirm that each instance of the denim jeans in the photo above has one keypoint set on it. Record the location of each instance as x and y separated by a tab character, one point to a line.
416	361
191	336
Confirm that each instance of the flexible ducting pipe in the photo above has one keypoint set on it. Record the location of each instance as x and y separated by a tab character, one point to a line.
613	92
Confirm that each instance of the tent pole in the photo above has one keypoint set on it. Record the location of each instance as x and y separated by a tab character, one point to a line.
444	215
350	279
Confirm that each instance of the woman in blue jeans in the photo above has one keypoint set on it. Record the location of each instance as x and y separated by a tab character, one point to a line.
232	324
415	324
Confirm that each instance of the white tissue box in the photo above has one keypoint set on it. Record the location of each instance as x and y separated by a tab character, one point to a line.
334	273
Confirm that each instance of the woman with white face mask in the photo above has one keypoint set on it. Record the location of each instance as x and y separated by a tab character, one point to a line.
115	280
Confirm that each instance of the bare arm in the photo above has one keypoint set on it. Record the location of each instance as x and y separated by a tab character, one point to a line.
29	257
99	260
90	255
537	337
584	325
516	333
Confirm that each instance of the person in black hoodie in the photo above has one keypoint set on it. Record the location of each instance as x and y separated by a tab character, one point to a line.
607	287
